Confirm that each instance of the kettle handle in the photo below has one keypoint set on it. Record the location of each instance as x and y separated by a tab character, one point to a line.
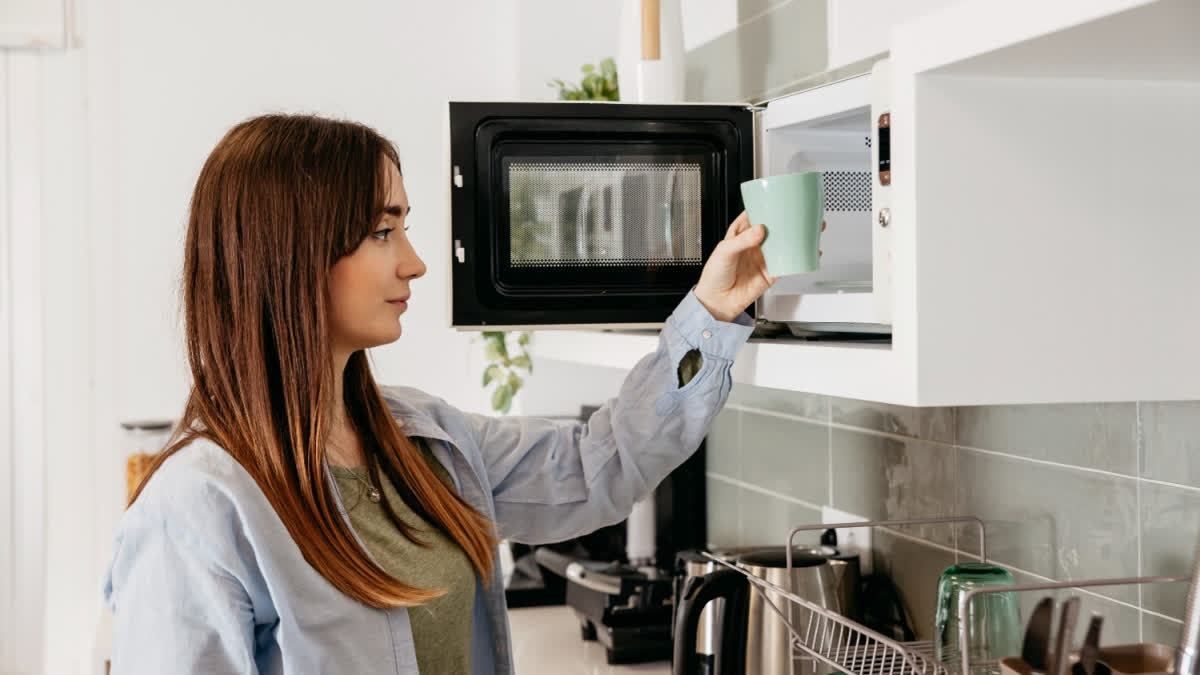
697	593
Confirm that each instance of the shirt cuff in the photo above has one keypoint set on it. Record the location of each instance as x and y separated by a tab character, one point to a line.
694	326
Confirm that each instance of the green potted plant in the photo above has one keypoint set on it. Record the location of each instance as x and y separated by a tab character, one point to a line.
504	363
599	83
507	358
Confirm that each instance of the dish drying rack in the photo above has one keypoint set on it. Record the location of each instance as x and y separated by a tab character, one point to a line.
851	648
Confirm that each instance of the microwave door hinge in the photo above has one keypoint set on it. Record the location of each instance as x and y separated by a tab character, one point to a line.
460	253
458	179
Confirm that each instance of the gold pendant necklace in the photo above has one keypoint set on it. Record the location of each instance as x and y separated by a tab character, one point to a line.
372	491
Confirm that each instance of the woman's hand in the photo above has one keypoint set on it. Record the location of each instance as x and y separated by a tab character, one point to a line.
735	274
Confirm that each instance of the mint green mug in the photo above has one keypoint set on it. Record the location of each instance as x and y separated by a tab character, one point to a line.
792	207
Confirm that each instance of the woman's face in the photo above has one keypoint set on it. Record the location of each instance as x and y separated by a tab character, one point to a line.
369	288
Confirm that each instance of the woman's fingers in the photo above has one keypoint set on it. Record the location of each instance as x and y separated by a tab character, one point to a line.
742	222
750	237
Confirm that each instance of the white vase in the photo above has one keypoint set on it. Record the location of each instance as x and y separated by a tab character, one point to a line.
651	80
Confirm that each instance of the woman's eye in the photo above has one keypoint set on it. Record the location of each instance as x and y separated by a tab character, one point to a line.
382	235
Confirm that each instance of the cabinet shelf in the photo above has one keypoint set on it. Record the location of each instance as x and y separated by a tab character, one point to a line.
1042	214
852	370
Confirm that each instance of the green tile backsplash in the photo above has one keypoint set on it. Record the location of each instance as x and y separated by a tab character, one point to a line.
788	456
1067	492
934	424
1058	522
1171	434
889	478
1170	521
1098	436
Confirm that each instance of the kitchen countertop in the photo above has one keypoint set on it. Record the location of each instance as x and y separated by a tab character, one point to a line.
546	640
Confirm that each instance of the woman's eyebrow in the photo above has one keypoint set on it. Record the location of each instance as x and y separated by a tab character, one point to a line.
398	210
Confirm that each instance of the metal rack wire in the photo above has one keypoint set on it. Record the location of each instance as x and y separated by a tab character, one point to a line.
825	636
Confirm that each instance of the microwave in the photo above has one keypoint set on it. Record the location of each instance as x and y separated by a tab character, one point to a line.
601	215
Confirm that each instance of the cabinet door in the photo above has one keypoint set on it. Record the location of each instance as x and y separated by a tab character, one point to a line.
860	28
1043	200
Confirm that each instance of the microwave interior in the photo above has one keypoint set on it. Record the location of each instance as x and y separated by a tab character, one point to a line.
838	297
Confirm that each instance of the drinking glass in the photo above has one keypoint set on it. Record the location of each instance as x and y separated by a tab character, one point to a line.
993	619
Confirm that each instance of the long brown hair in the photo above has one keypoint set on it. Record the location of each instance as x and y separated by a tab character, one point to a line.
278	202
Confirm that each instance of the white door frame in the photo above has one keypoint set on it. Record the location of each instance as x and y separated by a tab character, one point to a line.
22	447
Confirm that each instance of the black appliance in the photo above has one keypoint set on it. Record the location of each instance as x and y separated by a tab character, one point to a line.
680	524
629	610
588	213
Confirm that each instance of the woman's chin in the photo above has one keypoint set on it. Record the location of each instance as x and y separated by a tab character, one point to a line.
381	339
393	334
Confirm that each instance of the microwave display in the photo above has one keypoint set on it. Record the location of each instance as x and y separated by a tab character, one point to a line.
885	149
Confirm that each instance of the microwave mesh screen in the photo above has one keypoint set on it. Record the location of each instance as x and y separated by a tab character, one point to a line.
571	214
847	190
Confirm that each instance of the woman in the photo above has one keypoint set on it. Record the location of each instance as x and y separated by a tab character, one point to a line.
305	521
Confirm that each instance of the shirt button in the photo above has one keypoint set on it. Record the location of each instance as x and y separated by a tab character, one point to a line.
707	334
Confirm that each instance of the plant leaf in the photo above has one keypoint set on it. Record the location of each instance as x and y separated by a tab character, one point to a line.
501	349
523	361
492	372
523	339
514	382
502	398
495	351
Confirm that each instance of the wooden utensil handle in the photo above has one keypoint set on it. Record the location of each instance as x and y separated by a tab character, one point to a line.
650	30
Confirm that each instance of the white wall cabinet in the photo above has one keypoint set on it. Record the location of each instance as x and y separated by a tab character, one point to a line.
861	28
1044	226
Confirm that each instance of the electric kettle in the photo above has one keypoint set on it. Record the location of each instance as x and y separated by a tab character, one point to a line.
745	635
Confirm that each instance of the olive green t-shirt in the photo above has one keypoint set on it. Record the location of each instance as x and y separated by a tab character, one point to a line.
441	628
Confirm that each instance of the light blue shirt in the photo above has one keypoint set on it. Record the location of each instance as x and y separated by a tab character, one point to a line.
205	578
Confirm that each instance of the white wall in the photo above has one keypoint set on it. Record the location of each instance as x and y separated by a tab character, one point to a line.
556	37
189	71
123	126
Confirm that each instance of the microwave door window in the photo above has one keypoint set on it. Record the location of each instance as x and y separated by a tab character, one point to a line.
661	215
596	215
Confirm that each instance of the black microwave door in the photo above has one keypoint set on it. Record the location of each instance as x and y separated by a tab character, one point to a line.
589	213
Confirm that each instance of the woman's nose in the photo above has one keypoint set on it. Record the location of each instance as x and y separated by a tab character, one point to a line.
410	266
